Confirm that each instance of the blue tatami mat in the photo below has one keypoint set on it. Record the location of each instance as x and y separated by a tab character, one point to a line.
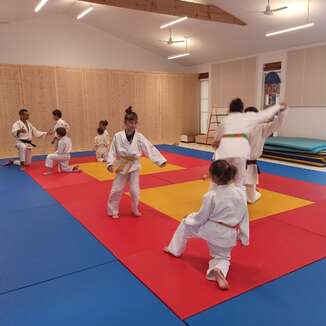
186	151
297	299
43	243
107	295
294	172
20	191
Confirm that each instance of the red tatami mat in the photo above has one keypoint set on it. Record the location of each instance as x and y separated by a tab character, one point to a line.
184	161
56	180
311	218
277	247
305	190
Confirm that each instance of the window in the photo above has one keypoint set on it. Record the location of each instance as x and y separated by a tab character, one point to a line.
204	110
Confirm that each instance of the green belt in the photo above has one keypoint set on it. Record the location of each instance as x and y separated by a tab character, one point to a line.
236	136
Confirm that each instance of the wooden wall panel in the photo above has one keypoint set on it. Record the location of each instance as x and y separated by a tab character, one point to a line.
10	103
234	79
294	77
72	102
306	77
39	96
97	99
167	104
191	97
171	107
147	105
314	86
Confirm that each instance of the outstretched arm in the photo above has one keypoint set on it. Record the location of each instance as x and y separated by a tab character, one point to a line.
152	152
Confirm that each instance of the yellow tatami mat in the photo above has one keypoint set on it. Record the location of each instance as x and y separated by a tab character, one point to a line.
178	200
98	170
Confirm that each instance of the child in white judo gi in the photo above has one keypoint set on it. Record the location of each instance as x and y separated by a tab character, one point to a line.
232	138
101	145
221	221
23	131
61	155
126	149
59	123
104	125
257	138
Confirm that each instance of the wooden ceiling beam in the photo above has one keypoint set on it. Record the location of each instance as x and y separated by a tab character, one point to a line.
175	8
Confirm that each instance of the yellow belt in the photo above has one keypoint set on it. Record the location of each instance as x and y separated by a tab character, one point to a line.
126	160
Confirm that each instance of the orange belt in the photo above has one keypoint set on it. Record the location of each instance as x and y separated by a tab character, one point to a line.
226	225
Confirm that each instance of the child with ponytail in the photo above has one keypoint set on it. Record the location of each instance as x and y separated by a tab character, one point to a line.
125	152
221	221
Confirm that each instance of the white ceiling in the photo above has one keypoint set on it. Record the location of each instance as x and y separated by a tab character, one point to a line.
208	41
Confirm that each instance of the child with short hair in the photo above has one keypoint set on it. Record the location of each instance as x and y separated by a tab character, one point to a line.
257	138
101	145
61	155
125	152
59	123
221	221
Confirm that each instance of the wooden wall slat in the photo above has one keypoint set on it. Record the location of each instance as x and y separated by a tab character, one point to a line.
39	96
306	77
71	98
167	103
234	79
10	102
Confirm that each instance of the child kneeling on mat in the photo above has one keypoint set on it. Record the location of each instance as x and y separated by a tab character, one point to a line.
61	155
221	221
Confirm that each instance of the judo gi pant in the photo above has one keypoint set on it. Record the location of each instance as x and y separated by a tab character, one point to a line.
252	194
117	190
252	180
101	154
241	165
62	160
220	256
24	154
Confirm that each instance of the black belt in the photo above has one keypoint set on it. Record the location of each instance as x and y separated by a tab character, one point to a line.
26	141
253	162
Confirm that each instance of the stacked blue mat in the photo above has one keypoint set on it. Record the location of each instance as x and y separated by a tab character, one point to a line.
298	150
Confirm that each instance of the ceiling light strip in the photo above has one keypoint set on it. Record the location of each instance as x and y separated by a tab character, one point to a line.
40	5
173	22
178	56
295	28
85	12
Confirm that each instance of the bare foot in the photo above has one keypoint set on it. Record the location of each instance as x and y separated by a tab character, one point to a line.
47	173
221	280
137	213
76	169
114	216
